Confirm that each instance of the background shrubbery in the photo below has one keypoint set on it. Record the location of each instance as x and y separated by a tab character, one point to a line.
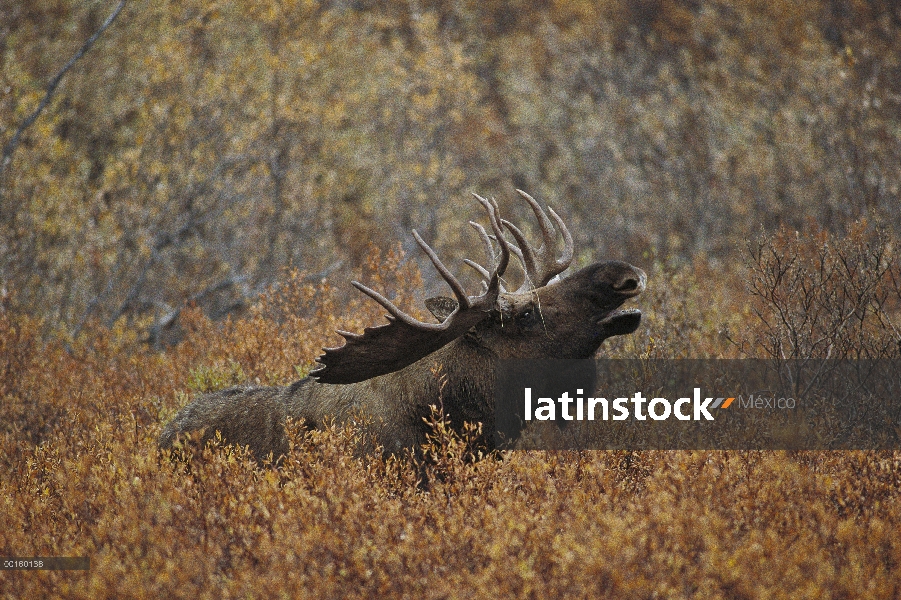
201	146
187	212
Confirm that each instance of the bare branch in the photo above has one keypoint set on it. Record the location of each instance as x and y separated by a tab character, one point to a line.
13	143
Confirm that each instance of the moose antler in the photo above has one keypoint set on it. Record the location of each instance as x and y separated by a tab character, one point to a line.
539	265
404	340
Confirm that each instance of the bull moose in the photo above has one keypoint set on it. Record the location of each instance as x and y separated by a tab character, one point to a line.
389	373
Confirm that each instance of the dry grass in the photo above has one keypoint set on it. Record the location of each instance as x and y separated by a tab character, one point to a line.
82	476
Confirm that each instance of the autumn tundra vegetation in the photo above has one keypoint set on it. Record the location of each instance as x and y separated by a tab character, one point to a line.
185	212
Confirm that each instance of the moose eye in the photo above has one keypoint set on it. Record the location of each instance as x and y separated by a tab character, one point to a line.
526	317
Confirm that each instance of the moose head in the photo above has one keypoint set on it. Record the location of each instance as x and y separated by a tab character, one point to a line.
546	317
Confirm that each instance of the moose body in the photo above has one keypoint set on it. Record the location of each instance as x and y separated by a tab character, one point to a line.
392	375
394	404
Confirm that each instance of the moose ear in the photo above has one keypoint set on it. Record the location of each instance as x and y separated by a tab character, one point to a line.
441	307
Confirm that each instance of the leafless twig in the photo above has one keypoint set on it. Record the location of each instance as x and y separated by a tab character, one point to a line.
13	143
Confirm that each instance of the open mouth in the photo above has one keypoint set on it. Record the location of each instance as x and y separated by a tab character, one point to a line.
621	322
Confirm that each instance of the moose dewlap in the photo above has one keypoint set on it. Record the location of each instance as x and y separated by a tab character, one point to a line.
387	373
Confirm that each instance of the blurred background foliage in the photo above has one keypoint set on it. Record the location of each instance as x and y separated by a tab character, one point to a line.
202	147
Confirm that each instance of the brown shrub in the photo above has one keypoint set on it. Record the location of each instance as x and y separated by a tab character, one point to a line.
820	296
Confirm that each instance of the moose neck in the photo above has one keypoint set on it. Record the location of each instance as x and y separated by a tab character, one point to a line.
460	372
458	379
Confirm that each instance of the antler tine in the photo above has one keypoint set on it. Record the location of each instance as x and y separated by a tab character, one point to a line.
527	256
547	228
452	281
486	239
479	268
489	250
391	308
566	259
494	283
